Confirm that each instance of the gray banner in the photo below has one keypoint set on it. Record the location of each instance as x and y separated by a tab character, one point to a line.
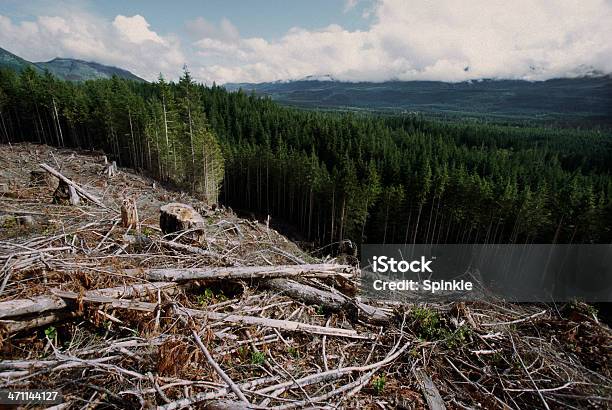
516	273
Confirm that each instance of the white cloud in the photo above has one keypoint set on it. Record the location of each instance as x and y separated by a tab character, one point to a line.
420	39
126	42
406	40
136	29
200	28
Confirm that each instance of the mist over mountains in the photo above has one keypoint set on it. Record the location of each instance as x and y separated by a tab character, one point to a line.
582	98
583	101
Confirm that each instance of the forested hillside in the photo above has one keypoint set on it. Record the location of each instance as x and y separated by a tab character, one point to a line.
70	69
333	176
562	101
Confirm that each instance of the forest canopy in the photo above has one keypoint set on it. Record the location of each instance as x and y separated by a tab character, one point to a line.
333	176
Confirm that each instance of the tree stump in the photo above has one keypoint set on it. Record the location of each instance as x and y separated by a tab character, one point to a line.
129	213
65	194
110	169
176	217
41	178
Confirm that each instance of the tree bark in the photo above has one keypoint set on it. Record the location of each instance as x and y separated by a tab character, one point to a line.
129	213
176	217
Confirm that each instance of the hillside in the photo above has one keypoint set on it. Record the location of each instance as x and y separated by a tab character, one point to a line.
14	62
66	68
232	312
78	70
588	99
334	176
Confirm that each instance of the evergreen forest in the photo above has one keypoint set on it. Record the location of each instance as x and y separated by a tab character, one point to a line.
332	176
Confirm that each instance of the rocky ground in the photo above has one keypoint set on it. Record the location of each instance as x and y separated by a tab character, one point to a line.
231	314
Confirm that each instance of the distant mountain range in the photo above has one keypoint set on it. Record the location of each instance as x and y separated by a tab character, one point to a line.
575	100
66	68
580	101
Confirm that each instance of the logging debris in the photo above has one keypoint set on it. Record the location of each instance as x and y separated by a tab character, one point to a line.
116	308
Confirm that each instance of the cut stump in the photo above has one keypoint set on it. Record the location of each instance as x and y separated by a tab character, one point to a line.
110	169
177	217
129	213
66	194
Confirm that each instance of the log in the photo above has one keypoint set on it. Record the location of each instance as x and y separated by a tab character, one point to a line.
129	213
66	195
78	189
47	303
175	217
274	323
431	393
10	326
309	294
115	303
246	272
190	249
38	304
330	301
223	317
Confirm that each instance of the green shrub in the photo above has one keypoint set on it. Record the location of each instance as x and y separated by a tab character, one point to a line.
258	358
379	384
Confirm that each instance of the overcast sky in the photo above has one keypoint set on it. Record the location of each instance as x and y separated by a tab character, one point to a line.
352	40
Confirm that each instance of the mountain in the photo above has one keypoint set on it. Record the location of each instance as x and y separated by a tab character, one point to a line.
79	70
565	99
10	60
66	68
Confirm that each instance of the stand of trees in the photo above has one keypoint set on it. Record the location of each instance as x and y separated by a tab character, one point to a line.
335	176
158	127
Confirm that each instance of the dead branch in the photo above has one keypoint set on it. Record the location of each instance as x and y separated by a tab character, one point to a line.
78	189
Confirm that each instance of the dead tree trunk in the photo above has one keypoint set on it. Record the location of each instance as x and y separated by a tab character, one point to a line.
129	213
76	187
176	217
111	169
66	195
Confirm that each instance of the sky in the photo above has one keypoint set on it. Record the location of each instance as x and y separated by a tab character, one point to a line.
350	40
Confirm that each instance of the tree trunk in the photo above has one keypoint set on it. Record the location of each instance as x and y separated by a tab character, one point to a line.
59	127
129	213
416	228
176	217
65	194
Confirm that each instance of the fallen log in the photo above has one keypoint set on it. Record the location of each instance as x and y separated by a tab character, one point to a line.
13	326
330	301
309	294
431	393
190	249
244	272
46	303
273	323
71	183
115	303
38	304
91	297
